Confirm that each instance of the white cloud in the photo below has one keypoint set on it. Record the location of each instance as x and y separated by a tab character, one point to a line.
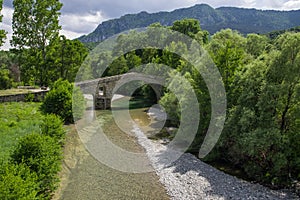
81	23
292	5
6	25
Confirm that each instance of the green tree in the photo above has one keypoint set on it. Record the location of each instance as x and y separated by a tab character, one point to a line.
189	27
2	32
5	79
65	58
227	49
256	44
35	25
262	131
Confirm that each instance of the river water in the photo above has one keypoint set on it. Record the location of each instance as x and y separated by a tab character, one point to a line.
83	177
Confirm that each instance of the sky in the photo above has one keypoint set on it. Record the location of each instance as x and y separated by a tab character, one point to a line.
80	17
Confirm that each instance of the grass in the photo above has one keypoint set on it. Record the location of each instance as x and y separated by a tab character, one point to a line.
17	120
13	91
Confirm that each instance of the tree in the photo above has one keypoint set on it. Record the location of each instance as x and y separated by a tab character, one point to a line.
256	44
65	58
227	49
5	79
35	25
262	131
189	27
2	32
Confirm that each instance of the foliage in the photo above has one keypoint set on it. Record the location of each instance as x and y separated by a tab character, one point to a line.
2	32
65	57
29	97
5	79
17	120
52	126
42	155
262	131
261	78
59	101
30	162
35	25
17	182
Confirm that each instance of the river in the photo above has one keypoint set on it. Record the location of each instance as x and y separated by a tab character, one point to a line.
83	177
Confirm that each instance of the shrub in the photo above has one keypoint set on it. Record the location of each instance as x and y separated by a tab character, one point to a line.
29	97
42	154
5	79
17	182
52	126
59	101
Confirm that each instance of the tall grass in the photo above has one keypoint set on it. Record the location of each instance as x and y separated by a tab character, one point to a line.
16	120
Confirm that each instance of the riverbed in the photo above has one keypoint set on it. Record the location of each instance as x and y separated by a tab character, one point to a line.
84	177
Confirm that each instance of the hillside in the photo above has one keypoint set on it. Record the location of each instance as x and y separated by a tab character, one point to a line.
243	20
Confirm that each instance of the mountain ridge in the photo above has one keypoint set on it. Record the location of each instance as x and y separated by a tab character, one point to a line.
245	20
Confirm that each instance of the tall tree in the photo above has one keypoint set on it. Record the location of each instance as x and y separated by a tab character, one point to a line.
65	58
2	32
35	25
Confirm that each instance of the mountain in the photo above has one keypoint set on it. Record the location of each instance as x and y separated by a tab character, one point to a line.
213	20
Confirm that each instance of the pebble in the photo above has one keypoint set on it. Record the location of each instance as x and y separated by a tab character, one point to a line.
188	178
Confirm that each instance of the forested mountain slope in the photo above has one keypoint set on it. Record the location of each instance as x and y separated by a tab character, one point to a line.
243	20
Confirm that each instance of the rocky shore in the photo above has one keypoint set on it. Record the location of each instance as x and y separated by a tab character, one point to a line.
191	179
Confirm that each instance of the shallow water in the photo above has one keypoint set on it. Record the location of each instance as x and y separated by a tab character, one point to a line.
90	179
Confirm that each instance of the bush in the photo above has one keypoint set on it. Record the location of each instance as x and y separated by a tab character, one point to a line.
29	97
59	101
43	155
52	126
17	182
5	79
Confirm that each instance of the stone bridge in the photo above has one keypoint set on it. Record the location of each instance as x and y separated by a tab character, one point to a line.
104	88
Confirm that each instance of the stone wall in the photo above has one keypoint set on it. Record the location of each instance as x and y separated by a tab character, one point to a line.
38	97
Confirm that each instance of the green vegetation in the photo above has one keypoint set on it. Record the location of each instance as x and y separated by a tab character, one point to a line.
42	56
275	34
17	182
13	91
261	77
2	32
59	101
43	155
52	126
31	151
17	120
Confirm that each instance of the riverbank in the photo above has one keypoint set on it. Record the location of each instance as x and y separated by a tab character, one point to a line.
191	179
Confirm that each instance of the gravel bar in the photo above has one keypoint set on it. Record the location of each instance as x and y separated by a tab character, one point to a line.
189	178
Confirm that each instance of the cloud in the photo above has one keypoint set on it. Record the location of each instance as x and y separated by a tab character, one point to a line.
6	25
81	23
292	5
83	16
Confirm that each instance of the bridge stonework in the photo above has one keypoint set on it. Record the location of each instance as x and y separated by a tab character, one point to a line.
102	88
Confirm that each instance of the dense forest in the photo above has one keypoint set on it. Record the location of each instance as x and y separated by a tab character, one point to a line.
261	75
244	20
